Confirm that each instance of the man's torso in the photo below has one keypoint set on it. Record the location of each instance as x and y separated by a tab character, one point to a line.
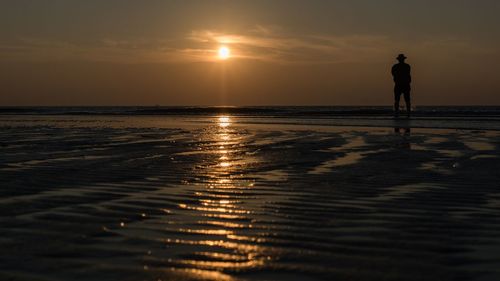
401	73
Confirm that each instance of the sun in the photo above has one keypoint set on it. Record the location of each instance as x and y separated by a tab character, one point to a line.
224	53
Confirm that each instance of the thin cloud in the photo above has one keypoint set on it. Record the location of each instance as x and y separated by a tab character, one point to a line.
266	44
261	43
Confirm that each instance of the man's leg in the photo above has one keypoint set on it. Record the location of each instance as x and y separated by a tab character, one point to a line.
397	98
408	102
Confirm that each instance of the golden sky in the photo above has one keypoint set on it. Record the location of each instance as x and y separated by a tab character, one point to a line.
152	52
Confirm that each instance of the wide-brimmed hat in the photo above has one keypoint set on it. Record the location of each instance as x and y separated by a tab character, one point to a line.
401	56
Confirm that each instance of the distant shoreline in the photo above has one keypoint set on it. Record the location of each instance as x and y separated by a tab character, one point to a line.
270	111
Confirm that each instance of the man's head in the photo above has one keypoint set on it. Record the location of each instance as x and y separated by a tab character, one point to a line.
401	58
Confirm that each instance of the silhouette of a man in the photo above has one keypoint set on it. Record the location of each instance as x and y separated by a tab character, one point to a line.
401	72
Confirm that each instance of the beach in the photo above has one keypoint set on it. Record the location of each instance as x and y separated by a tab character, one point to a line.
230	197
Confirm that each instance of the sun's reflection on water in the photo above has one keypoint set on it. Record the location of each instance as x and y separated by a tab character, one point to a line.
220	238
224	121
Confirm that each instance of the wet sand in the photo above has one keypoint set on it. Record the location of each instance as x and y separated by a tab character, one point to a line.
131	198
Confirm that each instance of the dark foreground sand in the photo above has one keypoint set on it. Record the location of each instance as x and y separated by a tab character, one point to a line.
142	199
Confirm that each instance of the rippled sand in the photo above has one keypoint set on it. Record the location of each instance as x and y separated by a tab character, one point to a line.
126	198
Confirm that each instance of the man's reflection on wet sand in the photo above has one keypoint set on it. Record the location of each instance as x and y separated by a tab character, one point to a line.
404	132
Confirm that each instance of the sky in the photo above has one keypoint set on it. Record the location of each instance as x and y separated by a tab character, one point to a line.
283	52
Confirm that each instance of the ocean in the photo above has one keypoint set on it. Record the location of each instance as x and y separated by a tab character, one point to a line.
279	111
